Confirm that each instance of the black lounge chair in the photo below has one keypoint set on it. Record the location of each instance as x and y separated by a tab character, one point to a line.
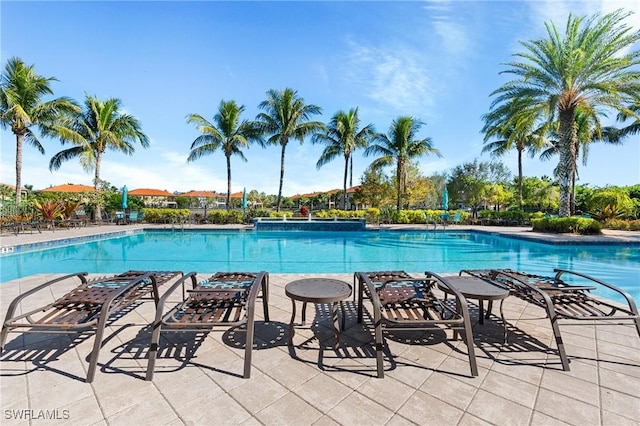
402	302
87	307
227	299
562	300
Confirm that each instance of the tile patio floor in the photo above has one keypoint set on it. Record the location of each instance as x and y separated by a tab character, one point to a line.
520	383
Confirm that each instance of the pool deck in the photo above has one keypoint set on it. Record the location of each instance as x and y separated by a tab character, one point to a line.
519	383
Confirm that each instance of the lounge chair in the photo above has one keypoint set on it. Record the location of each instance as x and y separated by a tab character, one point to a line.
402	302
133	217
87	307
563	300
120	217
457	218
226	299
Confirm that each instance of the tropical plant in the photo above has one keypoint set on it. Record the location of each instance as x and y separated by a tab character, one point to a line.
590	67
101	126
22	108
400	146
50	210
226	133
286	116
342	137
69	206
515	127
610	202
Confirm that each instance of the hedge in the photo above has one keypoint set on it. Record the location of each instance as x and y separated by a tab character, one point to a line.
574	225
153	215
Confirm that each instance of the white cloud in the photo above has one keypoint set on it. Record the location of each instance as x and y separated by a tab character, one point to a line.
394	77
543	11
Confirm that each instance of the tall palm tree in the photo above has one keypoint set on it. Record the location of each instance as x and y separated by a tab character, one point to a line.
400	145
592	66
342	137
100	126
588	131
286	116
22	108
227	133
515	127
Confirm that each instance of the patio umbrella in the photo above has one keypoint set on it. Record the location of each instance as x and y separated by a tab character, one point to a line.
445	199
125	195
244	199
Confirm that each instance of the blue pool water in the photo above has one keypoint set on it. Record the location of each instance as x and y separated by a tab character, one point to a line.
327	252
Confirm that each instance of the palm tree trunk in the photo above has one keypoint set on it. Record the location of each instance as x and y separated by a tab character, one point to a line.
19	137
520	203
228	181
97	216
284	146
399	183
351	171
344	183
567	162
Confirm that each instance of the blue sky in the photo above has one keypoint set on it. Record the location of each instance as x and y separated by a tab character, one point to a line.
435	60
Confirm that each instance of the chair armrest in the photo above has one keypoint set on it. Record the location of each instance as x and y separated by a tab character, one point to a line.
627	296
14	303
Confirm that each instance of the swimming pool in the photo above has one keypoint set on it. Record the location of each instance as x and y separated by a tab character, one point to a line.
326	252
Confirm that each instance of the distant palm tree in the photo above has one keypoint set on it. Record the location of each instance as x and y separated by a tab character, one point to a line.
592	66
22	108
400	145
286	116
515	127
227	133
100	126
342	137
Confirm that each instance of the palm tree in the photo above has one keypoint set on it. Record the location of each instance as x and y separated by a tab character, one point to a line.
227	133
100	126
400	146
515	127
633	128
22	108
590	67
286	116
588	131
342	137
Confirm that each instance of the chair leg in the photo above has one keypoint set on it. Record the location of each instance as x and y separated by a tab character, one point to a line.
153	350
248	346
265	299
97	345
468	340
360	299
379	344
556	333
3	337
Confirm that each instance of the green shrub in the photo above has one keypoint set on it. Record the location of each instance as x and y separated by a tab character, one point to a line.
345	214
280	214
561	225
153	215
622	225
372	215
225	217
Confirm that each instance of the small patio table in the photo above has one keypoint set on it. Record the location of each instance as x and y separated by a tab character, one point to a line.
318	290
476	288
